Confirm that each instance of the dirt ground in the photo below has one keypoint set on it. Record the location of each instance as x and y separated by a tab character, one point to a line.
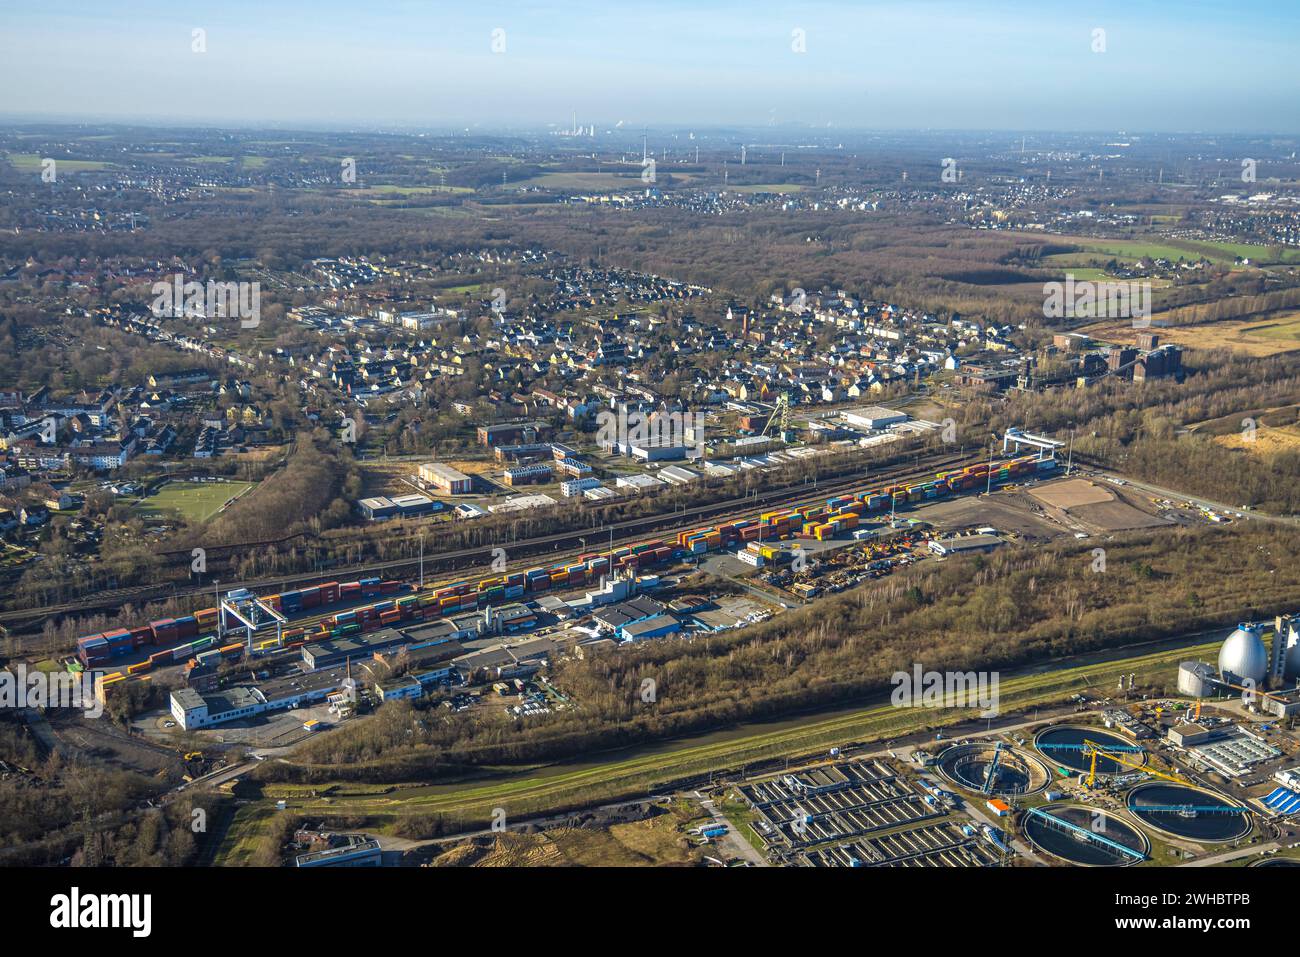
1117	516
1267	441
656	841
1071	493
1006	511
105	743
1096	506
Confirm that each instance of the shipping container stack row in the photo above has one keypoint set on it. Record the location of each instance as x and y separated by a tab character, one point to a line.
99	651
820	520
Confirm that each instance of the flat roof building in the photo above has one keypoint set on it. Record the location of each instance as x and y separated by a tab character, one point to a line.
322	654
445	478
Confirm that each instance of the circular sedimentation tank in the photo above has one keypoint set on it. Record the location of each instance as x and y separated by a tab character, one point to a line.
1072	757
1277	862
1017	772
1173	809
1068	844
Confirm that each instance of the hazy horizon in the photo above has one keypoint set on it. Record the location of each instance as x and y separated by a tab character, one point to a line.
405	66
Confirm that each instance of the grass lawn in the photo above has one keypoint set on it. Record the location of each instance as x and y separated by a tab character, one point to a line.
196	502
32	161
782	188
1129	250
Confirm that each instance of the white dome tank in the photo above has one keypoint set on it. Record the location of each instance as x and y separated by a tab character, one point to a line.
1243	655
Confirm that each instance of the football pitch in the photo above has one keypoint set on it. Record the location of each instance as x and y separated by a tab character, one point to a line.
195	502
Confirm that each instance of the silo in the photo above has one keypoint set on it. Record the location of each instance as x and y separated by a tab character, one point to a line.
1194	679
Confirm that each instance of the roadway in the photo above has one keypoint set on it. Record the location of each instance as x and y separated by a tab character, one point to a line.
1157	490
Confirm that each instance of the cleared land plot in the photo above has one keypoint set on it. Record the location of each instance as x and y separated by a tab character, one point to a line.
1006	513
193	501
1252	337
1071	493
1117	516
1267	440
1095	506
656	841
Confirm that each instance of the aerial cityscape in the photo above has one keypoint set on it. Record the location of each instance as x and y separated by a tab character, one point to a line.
651	439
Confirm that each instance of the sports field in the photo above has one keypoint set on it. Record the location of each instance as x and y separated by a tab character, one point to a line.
196	502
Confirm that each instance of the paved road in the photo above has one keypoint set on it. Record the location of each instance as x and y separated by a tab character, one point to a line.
732	841
1231	855
1184	497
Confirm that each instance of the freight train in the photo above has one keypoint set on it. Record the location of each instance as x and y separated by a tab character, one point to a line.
820	520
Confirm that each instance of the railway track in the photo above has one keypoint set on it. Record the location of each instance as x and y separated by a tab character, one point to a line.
594	537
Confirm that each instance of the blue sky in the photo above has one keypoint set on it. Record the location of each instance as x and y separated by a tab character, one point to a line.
936	64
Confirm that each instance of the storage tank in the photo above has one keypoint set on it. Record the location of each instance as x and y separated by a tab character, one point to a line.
1243	655
1195	679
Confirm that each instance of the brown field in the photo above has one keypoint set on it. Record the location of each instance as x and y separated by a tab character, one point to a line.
1008	512
1268	440
1253	337
1117	516
1071	493
655	841
1099	507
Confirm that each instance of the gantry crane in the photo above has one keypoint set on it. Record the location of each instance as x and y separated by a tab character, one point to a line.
991	775
1092	749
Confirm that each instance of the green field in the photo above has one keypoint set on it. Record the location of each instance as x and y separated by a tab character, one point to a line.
629	178
32	161
1129	250
196	502
782	188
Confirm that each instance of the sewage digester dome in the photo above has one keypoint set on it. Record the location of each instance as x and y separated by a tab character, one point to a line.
1243	655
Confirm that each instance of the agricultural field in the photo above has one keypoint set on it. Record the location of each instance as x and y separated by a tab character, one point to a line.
628	178
195	502
392	191
32	162
1131	250
1252	337
782	188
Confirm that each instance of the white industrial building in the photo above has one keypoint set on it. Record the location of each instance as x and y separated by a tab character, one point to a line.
873	418
575	487
444	477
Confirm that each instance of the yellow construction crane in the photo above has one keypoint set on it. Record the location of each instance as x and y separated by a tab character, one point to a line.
1093	750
